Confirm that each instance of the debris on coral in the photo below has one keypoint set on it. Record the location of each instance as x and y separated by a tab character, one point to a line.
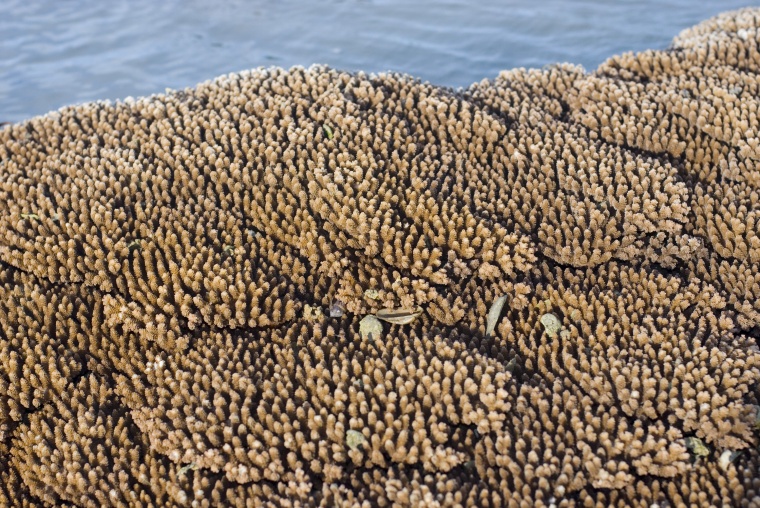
400	316
493	314
370	328
697	447
337	308
551	324
727	457
354	439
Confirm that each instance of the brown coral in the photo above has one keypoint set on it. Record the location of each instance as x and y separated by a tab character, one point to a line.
166	266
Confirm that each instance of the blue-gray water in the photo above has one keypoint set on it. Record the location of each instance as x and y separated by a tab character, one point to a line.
57	52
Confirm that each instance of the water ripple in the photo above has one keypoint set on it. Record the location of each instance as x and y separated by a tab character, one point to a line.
55	53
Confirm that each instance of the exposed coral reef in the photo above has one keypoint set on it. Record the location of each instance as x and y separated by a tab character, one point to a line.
182	280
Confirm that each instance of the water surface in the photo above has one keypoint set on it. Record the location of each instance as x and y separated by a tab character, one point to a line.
55	52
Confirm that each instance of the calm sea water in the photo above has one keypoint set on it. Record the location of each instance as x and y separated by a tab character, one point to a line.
57	52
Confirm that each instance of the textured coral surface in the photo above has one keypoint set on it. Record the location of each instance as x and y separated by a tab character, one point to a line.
182	279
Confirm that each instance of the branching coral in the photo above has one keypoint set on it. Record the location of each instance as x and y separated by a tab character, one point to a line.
184	279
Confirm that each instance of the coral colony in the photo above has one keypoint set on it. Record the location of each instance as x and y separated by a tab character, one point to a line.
317	288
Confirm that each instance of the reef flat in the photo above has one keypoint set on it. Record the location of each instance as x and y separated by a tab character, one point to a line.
318	288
